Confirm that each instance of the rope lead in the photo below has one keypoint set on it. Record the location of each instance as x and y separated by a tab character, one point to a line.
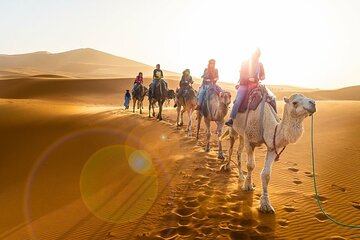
316	191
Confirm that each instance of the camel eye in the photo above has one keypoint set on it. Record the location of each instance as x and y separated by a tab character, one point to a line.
295	103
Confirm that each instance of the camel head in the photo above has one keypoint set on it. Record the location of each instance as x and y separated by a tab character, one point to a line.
225	98
299	106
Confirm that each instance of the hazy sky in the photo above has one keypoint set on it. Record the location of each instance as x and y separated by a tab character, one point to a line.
308	43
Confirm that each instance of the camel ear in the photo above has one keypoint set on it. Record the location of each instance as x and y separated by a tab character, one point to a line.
286	100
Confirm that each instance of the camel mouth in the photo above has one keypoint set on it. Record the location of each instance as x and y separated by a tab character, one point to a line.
311	110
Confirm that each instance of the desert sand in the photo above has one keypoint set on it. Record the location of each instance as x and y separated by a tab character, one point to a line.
76	165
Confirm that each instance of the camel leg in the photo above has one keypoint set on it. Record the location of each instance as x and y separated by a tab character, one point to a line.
149	108
161	102
178	108
182	117
239	151
153	109
134	103
208	135
248	186
189	122
198	124
220	126
265	205
140	104
226	165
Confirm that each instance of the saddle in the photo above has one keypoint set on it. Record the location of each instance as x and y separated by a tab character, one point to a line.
156	85
253	98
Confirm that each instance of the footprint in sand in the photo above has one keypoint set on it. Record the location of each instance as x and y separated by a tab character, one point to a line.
192	204
342	189
168	233
356	205
323	199
283	222
245	222
320	217
297	181
289	208
206	230
184	231
309	174
293	169
239	235
185	212
263	229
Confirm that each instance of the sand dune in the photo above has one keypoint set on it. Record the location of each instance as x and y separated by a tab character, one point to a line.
75	165
46	145
88	63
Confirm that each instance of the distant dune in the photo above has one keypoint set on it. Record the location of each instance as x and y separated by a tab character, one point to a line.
86	62
81	73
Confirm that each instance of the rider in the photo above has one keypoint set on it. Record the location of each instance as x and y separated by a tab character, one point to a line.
185	82
157	75
251	72
209	77
138	81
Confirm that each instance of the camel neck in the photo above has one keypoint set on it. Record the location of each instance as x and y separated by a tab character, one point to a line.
290	128
222	111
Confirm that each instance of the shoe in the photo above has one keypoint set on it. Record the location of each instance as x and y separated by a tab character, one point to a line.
229	123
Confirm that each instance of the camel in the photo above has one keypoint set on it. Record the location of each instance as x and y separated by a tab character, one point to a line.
188	102
160	94
275	134
170	96
215	108
138	97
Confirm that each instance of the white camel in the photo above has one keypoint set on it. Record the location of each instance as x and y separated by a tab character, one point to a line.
276	134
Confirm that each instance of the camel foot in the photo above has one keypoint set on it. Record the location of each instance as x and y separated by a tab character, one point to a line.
225	167
241	176
265	205
153	114
207	149
221	156
248	187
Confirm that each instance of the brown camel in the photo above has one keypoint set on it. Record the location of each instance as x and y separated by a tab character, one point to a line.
188	103
214	109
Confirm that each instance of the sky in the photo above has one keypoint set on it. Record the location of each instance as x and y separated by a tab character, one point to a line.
305	43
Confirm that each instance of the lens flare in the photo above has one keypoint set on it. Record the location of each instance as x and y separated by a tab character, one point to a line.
140	162
163	137
118	184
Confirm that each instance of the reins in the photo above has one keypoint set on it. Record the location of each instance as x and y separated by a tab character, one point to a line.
274	144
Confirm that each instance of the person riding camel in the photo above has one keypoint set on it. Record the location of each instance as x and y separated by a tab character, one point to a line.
250	73
210	77
157	76
185	83
138	81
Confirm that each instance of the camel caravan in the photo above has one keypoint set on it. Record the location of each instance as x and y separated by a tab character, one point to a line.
253	119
